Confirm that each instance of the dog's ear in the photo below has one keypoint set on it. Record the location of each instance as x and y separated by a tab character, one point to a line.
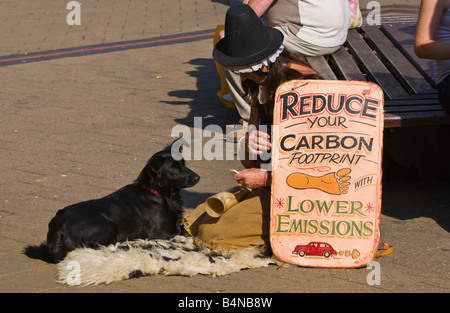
152	170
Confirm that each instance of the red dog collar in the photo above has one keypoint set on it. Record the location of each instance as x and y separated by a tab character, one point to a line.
153	191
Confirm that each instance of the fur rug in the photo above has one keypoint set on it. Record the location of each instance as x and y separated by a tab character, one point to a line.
177	256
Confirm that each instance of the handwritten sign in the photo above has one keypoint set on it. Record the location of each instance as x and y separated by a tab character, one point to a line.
326	188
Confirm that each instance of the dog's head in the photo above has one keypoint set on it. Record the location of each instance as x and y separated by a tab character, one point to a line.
166	171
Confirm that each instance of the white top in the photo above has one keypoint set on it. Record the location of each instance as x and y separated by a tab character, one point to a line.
320	22
443	35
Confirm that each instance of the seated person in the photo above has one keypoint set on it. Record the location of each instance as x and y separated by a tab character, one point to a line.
433	42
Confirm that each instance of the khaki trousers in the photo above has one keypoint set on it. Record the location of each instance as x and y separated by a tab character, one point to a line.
245	224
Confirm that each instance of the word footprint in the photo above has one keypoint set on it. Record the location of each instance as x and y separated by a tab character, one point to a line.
333	183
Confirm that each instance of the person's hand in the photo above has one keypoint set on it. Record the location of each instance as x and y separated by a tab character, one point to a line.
221	35
258	142
251	178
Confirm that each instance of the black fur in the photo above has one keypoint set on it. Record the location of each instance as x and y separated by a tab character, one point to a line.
149	208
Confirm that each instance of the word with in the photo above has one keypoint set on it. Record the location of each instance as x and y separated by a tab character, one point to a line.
364	182
74	16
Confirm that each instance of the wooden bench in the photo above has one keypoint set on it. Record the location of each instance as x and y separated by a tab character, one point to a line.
384	55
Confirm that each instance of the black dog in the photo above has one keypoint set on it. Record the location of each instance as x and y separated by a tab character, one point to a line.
149	208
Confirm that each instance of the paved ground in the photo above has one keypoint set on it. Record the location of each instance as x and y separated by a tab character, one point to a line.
80	127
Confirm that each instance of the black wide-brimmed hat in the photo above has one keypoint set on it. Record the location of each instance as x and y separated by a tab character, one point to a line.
246	40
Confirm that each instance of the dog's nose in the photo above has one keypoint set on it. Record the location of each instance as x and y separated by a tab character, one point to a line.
196	178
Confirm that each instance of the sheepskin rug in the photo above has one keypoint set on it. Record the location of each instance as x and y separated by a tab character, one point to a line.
177	256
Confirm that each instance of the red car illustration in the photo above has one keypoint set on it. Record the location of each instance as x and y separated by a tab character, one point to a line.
314	248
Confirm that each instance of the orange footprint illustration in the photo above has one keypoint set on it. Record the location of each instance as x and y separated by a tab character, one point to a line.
333	183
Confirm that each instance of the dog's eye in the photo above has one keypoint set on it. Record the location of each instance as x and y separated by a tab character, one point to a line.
174	170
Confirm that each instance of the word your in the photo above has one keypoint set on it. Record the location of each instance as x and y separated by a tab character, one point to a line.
327	121
74	16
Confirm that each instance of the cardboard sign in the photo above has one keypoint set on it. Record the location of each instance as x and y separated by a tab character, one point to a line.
326	188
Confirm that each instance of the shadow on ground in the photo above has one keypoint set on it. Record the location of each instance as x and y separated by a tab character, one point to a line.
202	100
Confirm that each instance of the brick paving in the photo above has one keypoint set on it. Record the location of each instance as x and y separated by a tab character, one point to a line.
80	127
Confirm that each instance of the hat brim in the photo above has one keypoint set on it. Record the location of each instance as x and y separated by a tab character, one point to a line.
220	51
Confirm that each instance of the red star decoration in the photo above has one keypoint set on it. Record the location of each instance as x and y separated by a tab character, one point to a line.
279	203
370	207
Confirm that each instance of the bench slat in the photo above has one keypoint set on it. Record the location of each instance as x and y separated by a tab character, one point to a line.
402	35
374	67
346	66
320	64
427	96
413	108
399	65
416	119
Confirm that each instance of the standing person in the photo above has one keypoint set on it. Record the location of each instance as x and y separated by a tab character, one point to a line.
309	27
256	54
433	42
